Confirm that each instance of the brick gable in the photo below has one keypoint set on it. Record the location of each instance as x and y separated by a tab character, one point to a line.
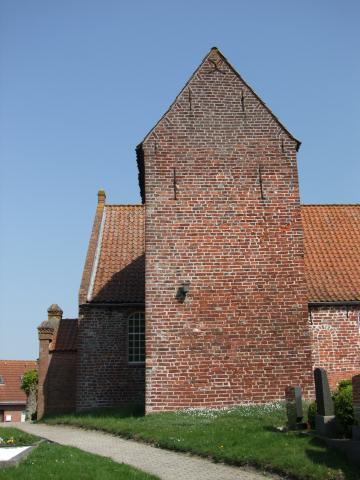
223	212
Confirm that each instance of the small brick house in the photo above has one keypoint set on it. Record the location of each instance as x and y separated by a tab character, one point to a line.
244	290
12	398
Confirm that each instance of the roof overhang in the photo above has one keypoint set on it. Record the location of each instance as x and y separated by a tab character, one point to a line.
338	303
112	304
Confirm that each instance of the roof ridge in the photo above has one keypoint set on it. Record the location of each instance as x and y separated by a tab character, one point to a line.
124	205
330	204
22	361
16	360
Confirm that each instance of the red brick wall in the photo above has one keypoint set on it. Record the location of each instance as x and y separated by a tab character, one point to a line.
336	341
43	365
242	334
57	380
105	378
57	374
60	383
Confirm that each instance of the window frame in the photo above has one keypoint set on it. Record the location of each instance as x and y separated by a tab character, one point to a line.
128	319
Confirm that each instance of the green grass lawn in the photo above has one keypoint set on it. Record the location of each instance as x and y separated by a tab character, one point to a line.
53	461
20	438
245	435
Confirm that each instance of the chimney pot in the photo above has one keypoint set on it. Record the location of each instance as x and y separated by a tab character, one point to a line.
54	311
101	196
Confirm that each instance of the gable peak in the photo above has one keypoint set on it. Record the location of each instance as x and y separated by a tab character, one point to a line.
216	57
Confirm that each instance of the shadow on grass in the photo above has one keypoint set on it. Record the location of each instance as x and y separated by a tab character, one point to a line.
323	455
107	412
332	458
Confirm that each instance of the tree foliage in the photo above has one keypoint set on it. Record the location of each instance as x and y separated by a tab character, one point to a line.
29	381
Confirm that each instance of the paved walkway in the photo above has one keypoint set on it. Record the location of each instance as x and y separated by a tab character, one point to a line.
165	464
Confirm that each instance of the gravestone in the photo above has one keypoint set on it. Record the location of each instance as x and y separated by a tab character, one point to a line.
325	422
294	408
324	403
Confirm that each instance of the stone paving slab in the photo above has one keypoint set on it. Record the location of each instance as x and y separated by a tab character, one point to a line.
165	464
10	456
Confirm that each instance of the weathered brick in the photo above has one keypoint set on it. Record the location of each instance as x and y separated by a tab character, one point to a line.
223	212
335	341
57	364
105	377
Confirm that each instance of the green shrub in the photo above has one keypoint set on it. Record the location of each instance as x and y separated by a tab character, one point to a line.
343	405
344	384
29	381
311	414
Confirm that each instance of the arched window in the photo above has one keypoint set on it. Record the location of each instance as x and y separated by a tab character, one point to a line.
136	337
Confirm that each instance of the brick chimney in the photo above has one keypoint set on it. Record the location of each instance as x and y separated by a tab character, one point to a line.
101	196
46	331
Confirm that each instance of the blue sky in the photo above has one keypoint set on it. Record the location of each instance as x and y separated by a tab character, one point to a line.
81	83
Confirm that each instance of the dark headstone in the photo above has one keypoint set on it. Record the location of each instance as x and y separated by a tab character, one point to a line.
324	402
294	408
298	404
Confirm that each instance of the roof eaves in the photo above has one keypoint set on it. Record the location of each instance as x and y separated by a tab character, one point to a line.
330	205
333	303
115	304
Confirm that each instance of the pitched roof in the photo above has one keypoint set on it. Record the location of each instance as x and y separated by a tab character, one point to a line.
65	335
332	259
332	252
11	372
91	252
118	273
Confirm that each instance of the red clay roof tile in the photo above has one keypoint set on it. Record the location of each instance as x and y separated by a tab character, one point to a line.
120	271
11	372
332	252
65	336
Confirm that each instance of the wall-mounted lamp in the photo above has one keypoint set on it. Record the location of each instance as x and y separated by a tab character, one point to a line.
182	291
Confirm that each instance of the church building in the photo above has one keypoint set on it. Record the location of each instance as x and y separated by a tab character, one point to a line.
220	288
